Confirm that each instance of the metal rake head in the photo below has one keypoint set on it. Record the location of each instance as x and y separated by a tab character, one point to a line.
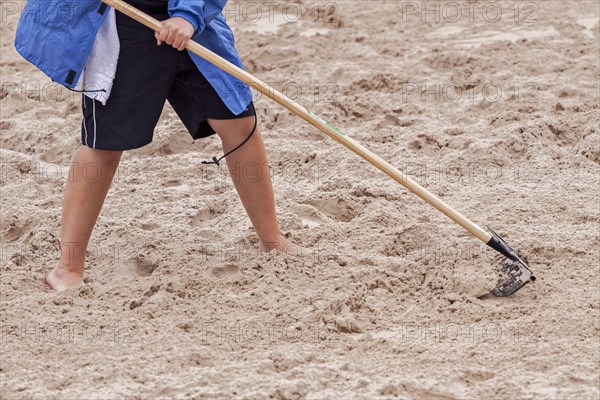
514	272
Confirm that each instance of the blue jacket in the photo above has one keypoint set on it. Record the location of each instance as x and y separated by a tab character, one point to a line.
57	37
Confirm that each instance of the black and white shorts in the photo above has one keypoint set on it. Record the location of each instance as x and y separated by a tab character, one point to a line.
147	75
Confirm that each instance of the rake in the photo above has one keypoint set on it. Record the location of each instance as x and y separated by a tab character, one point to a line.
514	273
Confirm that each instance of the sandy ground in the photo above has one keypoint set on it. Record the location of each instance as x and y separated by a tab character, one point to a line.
498	117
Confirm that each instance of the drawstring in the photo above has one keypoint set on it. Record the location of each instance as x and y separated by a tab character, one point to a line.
87	91
217	161
83	91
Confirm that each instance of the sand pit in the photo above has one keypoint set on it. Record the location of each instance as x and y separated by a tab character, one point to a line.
499	117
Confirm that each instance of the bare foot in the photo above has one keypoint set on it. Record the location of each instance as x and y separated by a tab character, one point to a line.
60	279
284	246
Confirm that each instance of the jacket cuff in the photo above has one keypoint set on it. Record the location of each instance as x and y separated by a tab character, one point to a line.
193	19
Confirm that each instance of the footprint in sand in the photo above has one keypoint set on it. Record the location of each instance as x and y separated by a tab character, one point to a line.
225	271
145	297
339	208
12	234
426	143
150	227
138	266
309	215
178	186
143	267
206	215
393	121
17	229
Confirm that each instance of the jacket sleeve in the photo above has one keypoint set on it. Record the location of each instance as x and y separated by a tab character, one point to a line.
196	12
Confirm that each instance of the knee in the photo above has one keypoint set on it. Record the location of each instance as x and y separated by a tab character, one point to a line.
235	130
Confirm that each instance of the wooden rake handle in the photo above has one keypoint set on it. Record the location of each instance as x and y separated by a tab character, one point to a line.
312	119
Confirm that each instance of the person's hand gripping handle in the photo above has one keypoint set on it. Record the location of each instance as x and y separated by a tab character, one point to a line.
176	32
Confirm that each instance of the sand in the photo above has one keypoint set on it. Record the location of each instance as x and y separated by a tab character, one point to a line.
500	118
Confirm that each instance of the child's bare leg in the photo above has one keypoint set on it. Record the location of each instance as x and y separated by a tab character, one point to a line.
90	177
250	173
